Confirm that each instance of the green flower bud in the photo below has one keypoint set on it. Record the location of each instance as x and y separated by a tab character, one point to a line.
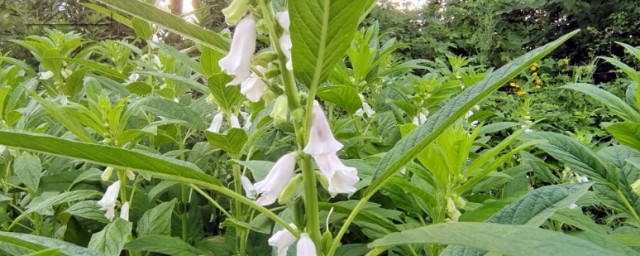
636	187
106	174
264	58
235	11
327	239
272	72
290	189
280	110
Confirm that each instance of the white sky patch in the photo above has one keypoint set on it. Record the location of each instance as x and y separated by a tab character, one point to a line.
410	4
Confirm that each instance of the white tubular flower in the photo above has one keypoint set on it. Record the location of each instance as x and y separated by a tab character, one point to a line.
253	88
45	75
321	140
420	119
285	40
342	179
249	189
305	246
216	123
243	45
124	211
108	201
247	120
365	109
277	179
581	179
133	77
282	240
235	123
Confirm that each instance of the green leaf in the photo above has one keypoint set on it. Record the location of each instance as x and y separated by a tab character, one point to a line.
163	244
577	219
321	32
29	169
157	220
572	152
259	169
172	110
225	96
532	210
538	205
109	13
112	238
36	243
88	210
344	96
171	22
617	105
47	252
139	88
496	238
231	142
190	83
143	29
408	147
160	166
627	133
65	197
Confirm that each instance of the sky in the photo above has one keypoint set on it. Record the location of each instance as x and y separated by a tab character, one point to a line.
414	3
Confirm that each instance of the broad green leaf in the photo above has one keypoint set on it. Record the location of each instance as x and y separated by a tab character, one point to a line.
607	241
321	32
181	57
225	96
47	252
231	142
143	29
577	219
408	147
100	68
166	245
627	133
157	220
171	22
344	96
617	105
632	73
140	88
160	166
496	238
109	13
538	205
532	210
572	152
29	169
172	110
88	210
65	197
33	242
112	238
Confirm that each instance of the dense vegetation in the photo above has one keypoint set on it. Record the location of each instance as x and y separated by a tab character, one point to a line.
323	127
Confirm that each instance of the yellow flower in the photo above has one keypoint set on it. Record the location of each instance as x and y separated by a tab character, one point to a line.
515	85
538	81
535	74
538	87
521	92
533	68
535	64
566	61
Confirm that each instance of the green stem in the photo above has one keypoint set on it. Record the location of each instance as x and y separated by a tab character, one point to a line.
350	219
311	202
628	205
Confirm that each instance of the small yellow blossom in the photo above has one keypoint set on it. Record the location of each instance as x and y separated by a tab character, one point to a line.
534	74
538	87
566	61
521	92
514	85
538	81
533	68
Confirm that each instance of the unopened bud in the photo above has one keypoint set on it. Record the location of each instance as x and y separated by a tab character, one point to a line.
290	189
106	174
327	239
264	58
235	11
635	187
280	110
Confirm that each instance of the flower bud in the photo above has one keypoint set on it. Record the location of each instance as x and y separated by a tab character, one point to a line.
108	201
280	110
327	239
264	58
635	187
290	189
106	174
124	211
243	45
235	11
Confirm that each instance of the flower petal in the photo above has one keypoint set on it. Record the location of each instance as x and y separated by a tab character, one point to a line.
305	246
282	240
243	45
277	179
321	140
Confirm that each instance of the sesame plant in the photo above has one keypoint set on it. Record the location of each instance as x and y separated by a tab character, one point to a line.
296	133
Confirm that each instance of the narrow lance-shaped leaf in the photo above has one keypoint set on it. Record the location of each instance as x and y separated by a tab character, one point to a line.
498	238
617	106
39	242
172	22
162	167
408	147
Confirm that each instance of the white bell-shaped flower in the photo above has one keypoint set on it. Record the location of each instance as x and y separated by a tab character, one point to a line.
305	246
282	240
249	189
243	45
108	201
581	178
216	123
235	123
285	40
365	109
341	178
253	88
124	211
321	140
45	75
420	119
277	179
